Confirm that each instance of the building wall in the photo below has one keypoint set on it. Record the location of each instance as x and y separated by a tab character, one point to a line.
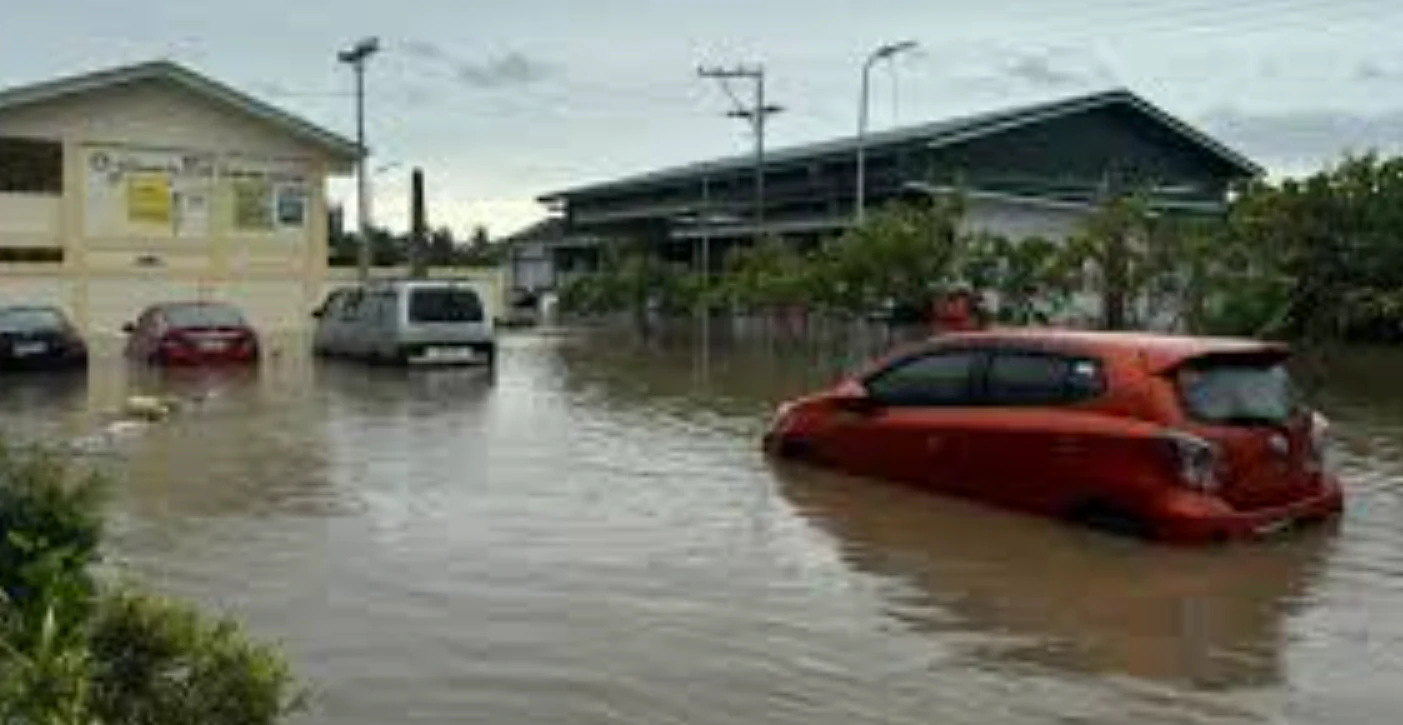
167	196
1019	220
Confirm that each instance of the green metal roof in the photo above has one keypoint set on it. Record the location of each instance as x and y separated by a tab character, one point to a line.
947	132
339	147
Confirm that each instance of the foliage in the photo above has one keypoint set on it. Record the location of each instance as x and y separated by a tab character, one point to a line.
441	248
158	662
903	254
766	276
73	654
1335	239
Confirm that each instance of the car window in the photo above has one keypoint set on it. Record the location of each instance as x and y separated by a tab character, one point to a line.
1238	394
382	310
331	306
349	309
1025	378
203	315
31	319
444	304
936	379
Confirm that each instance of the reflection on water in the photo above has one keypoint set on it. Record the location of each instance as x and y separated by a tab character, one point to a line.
590	535
1065	597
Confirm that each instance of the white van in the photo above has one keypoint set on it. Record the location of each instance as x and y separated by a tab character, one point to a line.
406	322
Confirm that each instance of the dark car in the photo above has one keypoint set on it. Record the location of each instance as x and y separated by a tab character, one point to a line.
192	333
39	338
1173	438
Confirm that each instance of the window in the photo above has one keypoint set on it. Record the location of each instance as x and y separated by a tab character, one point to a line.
444	304
29	166
31	255
1238	394
1019	378
930	380
349	308
185	317
31	319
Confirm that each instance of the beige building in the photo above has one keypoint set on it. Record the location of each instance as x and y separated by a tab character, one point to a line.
154	183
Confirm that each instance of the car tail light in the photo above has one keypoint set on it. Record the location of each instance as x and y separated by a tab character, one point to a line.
782	419
1195	461
1317	458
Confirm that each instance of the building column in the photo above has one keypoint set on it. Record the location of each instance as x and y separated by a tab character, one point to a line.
72	232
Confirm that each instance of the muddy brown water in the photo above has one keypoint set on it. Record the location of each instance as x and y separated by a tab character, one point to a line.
592	537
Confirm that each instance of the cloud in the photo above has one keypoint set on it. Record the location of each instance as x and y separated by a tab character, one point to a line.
1375	72
1055	68
1303	141
510	69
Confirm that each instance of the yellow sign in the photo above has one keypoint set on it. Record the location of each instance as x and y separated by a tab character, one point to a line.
253	204
149	198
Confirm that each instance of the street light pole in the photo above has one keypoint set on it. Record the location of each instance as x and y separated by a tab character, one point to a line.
356	57
882	53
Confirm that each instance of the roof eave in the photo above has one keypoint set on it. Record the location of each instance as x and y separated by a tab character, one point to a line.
342	150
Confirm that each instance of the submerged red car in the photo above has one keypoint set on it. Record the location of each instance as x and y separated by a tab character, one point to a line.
1167	437
191	333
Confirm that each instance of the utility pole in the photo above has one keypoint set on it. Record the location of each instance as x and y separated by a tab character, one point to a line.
755	115
418	262
356	56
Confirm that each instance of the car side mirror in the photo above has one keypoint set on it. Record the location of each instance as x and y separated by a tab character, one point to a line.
128	328
858	402
318	313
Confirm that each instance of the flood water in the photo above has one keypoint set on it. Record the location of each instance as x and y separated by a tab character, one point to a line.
592	537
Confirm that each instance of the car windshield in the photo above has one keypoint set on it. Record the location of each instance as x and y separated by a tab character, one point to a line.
193	316
444	304
30	319
1238	394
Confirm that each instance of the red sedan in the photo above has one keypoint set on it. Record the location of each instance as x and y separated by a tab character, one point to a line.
1172	438
191	333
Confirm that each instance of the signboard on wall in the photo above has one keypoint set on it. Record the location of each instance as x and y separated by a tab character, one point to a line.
269	197
147	192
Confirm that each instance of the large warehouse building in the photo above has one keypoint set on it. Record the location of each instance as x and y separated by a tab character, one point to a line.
153	183
1028	171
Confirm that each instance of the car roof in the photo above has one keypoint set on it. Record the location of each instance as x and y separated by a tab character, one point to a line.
1160	351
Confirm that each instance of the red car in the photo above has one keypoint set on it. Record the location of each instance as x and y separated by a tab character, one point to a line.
191	333
1171	438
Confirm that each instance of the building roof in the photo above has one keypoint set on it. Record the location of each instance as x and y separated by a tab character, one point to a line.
946	132
170	72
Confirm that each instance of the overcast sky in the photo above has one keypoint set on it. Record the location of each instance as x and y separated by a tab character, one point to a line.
501	101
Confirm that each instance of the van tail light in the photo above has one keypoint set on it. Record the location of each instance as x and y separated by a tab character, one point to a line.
1317	450
1195	460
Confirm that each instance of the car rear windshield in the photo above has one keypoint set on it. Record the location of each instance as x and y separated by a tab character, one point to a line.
1238	394
30	319
444	304
197	316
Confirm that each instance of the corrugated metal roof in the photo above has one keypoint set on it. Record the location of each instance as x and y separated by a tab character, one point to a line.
939	133
163	70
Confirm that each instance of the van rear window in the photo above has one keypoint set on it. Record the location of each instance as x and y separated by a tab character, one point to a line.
444	304
1238	394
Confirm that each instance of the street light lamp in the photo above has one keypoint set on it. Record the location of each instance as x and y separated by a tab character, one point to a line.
882	53
355	56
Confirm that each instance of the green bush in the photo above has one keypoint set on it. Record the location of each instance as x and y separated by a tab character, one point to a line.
158	662
74	654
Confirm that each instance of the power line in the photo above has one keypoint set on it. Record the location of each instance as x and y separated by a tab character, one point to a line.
756	115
